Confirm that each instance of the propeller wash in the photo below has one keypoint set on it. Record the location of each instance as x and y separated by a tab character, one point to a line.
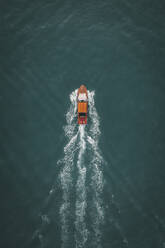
81	178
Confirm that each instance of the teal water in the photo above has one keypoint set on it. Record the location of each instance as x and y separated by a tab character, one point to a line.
106	188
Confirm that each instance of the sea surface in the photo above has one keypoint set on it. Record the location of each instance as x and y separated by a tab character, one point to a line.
96	186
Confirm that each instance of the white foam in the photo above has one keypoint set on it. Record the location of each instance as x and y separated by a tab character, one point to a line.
66	171
80	225
79	139
97	176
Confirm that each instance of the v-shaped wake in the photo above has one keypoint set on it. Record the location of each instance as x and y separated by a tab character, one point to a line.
81	155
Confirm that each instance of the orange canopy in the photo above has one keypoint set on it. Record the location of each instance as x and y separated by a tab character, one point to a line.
82	107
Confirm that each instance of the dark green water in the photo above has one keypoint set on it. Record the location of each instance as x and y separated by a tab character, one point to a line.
48	49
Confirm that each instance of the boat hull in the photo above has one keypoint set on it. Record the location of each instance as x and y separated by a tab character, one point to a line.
82	105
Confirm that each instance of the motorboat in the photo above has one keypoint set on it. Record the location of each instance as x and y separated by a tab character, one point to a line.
82	104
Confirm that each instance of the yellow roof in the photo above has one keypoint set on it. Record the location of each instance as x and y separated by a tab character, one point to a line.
82	107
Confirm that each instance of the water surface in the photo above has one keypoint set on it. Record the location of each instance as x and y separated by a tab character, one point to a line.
48	49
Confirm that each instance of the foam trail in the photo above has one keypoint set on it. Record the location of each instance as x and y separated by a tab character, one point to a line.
82	140
97	176
77	140
66	173
81	230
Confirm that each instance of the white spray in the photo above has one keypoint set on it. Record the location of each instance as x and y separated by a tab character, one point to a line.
81	231
79	141
66	172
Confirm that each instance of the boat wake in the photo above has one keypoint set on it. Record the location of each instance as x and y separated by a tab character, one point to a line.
80	180
81	158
